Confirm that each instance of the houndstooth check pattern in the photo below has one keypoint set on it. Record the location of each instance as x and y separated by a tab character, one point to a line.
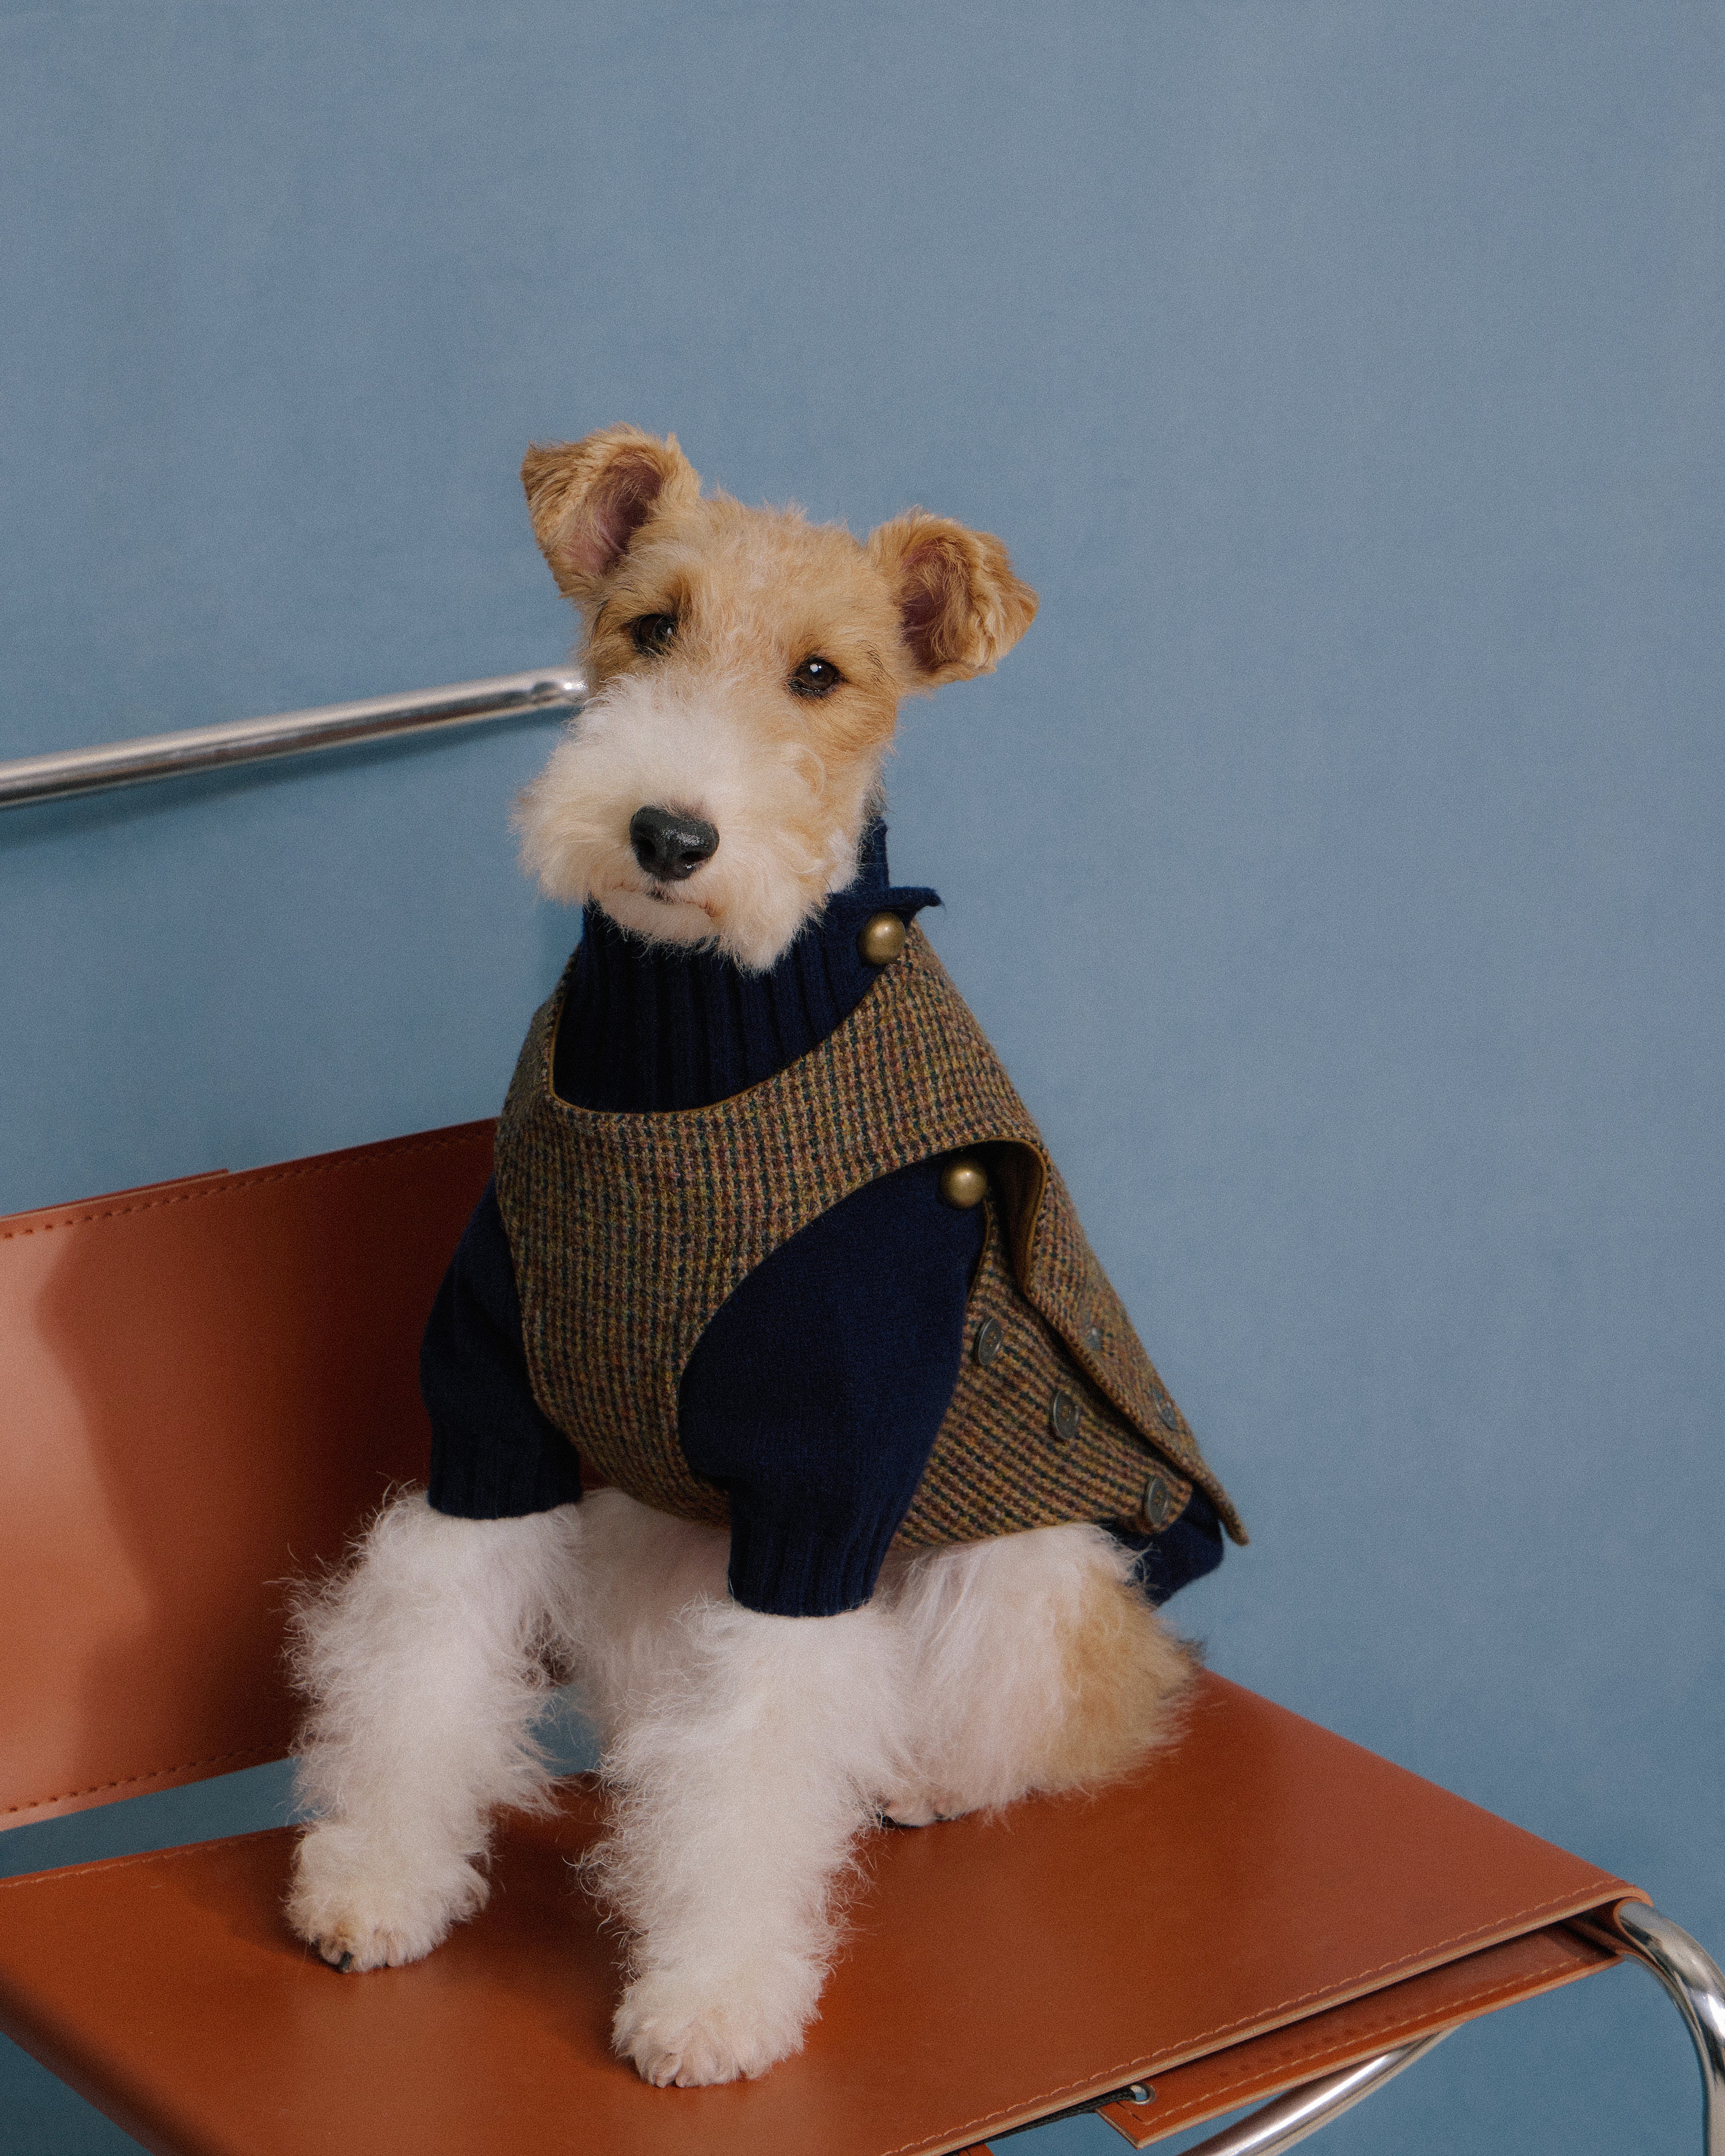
628	1231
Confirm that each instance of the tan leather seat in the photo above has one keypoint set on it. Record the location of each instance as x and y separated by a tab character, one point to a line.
207	1384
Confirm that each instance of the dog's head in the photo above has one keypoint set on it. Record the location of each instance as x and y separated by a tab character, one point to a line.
744	669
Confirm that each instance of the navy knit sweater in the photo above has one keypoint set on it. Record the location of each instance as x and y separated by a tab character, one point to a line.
814	1396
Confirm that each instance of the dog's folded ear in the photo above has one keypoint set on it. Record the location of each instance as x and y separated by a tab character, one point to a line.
588	498
961	608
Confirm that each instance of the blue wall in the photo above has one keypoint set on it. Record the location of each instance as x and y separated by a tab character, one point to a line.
1337	865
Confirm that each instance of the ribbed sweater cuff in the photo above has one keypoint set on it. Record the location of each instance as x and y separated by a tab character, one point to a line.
791	1564
473	1484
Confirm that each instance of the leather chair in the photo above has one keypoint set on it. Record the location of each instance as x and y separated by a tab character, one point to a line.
207	1384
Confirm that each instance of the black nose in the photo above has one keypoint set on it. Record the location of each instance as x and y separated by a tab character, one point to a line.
670	846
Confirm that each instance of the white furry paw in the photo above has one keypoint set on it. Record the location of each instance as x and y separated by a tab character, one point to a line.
365	1905
908	1806
678	2033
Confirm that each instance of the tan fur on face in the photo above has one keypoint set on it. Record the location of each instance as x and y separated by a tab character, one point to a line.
712	726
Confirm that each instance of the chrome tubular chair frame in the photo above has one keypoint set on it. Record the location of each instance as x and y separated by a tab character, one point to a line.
67	771
1288	2119
1694	1980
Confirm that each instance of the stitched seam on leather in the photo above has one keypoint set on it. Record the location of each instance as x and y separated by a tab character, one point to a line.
1146	2060
125	1781
249	1178
161	1856
1468	2010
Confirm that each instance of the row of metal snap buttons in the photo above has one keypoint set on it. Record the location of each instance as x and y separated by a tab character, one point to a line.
964	1182
1161	1504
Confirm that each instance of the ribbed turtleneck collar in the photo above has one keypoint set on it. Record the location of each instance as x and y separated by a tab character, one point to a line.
647	1029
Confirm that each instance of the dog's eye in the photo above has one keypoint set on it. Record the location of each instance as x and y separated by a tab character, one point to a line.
652	633
815	677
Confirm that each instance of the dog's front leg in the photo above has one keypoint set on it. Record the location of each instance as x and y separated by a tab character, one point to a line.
742	1767
422	1663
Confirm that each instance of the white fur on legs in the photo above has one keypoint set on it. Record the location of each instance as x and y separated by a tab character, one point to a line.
743	1752
1033	1664
422	1662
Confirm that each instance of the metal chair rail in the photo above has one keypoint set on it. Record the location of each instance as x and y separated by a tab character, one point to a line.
64	772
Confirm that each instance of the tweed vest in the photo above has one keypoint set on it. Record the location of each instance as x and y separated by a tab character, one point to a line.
629	1231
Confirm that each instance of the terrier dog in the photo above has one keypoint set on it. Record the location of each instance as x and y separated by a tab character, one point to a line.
713	807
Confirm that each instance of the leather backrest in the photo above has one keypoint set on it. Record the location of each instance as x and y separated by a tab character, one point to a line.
204	1386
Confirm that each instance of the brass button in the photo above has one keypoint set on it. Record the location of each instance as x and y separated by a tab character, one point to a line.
1093	1338
963	1182
1160	1504
881	939
990	1339
1063	1414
